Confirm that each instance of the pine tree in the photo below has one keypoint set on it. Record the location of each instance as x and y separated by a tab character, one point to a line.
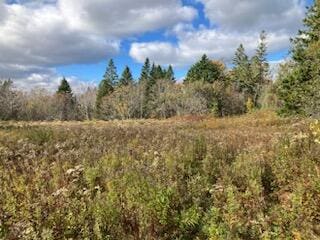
66	102
169	74
64	87
156	73
205	71
260	69
153	75
144	82
159	73
299	86
259	62
250	75
145	72
308	36
106	86
111	74
126	77
242	70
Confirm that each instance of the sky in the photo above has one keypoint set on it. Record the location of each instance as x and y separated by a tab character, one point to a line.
43	40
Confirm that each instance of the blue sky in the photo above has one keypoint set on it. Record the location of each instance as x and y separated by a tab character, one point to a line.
94	72
48	39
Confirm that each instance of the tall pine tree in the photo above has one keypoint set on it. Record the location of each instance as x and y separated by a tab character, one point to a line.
126	77
251	75
260	62
64	87
169	74
66	103
260	68
145	90
107	85
145	72
241	73
299	85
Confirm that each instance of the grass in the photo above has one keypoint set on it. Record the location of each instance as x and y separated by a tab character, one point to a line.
250	177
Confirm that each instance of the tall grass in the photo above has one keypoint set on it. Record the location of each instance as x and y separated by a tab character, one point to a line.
250	177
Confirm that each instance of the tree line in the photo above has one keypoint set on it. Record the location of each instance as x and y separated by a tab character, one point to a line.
209	87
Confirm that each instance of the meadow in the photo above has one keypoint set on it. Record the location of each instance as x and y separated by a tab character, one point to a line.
255	176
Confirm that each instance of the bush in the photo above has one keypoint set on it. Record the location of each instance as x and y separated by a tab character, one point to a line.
250	177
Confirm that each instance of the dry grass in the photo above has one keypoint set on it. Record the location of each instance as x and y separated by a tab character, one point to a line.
249	177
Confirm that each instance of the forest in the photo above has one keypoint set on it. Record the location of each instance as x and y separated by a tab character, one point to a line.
231	152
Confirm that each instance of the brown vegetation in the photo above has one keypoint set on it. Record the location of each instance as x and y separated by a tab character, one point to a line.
250	177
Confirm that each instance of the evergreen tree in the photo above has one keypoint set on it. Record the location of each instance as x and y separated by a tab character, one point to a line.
64	87
250	76
106	86
298	86
204	70
66	103
159	73
260	69
169	74
241	72
260	64
156	73
145	89
153	76
145	72
111	74
126	77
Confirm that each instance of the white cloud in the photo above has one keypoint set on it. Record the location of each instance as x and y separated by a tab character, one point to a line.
192	44
30	36
230	26
49	79
37	35
123	17
257	15
162	50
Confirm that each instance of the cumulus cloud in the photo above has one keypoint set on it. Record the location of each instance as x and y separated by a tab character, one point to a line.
192	44
37	35
269	15
30	36
229	26
123	17
28	77
49	79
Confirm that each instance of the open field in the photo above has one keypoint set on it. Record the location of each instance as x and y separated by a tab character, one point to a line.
250	177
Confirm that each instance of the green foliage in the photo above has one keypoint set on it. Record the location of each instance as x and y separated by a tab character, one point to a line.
156	73
250	76
111	75
169	74
66	105
64	87
39	136
241	71
146	83
126	77
205	71
145	72
298	83
106	86
249	177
